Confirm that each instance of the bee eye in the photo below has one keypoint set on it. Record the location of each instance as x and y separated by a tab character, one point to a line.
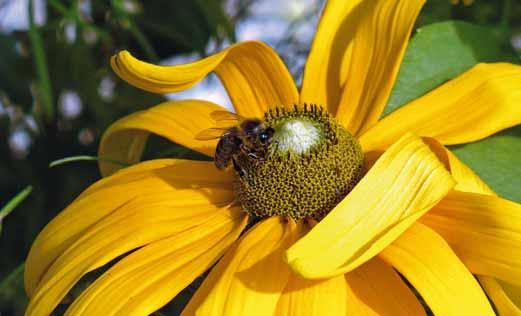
264	136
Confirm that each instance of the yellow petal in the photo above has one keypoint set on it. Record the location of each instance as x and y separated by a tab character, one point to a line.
483	230
382	33
186	173
403	184
139	223
313	297
468	181
178	121
481	102
430	265
330	52
150	277
250	278
513	291
252	73
185	189
376	289
501	300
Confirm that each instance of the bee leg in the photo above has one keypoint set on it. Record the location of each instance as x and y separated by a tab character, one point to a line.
238	168
253	155
250	152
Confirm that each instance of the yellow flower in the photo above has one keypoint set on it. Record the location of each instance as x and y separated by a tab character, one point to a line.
417	210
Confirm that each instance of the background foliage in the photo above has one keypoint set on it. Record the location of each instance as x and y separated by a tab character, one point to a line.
58	94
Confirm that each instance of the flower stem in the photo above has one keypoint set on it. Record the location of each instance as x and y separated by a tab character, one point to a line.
44	82
85	158
13	203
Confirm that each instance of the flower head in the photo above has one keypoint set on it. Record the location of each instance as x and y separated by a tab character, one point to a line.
337	203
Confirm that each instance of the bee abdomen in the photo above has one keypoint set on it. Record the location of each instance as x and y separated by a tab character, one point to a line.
226	147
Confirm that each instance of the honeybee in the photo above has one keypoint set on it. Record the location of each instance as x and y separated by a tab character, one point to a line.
238	135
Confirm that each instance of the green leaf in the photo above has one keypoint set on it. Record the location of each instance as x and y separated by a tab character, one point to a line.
442	51
13	203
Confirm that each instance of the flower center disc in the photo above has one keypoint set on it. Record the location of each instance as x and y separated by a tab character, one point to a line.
311	165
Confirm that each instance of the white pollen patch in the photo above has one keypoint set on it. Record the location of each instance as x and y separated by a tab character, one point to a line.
296	136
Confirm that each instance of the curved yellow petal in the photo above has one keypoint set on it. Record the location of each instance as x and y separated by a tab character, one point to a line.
403	184
324	74
501	300
150	277
313	297
468	181
178	121
250	278
382	33
483	230
183	189
430	265
481	102
204	174
252	73
376	289
139	223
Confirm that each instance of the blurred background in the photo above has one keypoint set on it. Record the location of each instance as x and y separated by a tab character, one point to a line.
58	93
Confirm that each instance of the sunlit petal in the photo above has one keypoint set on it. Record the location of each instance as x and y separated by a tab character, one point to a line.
177	189
375	288
383	29
330	53
251	277
313	297
479	103
178	121
483	230
405	182
150	277
430	265
252	73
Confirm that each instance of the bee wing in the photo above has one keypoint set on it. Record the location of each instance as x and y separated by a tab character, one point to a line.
211	133
226	119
